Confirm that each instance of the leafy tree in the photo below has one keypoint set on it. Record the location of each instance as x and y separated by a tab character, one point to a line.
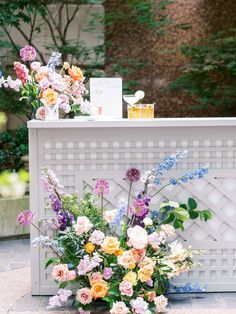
210	77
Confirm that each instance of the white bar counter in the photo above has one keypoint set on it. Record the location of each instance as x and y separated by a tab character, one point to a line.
80	152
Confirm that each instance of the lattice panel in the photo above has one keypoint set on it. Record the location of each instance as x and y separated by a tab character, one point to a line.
79	158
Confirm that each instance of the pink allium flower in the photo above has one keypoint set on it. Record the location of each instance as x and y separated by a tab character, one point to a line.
139	306
28	53
41	113
107	273
25	217
133	175
139	208
101	187
21	71
35	66
119	308
84	296
126	288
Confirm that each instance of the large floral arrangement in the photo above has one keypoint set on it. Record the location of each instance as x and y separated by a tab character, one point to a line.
47	86
124	257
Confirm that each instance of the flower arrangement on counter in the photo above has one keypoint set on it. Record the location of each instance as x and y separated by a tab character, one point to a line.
124	257
48	87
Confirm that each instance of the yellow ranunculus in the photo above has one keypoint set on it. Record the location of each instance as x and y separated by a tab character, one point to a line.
110	245
131	276
89	247
145	273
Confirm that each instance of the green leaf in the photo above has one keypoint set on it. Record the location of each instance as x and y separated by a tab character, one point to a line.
178	224
192	203
63	284
52	261
193	214
169	219
181	214
205	215
183	206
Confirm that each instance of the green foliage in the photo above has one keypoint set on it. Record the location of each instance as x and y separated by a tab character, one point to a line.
211	75
13	145
178	215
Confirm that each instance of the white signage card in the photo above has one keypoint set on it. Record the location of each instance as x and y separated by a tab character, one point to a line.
107	93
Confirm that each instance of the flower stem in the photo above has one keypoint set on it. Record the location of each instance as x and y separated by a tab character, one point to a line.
129	195
165	187
102	225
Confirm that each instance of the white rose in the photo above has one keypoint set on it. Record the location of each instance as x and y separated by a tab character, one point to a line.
148	221
82	225
161	303
138	237
119	308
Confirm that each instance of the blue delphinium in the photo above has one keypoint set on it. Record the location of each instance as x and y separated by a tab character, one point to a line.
187	288
190	175
170	162
54	60
116	223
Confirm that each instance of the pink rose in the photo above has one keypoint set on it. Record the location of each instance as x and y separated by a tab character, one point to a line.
71	275
97	237
40	113
60	272
94	277
119	308
84	296
83	225
161	303
107	273
126	288
168	229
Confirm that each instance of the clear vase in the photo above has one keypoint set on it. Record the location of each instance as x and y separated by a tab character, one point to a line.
52	112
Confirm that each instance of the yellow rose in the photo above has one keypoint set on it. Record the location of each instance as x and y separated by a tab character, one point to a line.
145	273
110	245
89	247
99	289
50	96
131	277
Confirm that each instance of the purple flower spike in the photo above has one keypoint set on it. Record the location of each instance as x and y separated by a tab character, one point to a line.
28	53
133	175
101	187
25	217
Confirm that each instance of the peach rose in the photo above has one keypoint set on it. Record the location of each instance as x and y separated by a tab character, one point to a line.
84	296
95	277
151	295
145	273
60	272
76	73
71	275
110	245
138	254
99	289
50	96
42	73
127	260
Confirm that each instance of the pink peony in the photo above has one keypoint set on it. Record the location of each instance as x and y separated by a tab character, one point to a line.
41	113
138	237
28	53
83	225
84	296
60	272
126	288
71	275
107	273
21	72
97	237
101	187
25	217
35	66
139	306
119	308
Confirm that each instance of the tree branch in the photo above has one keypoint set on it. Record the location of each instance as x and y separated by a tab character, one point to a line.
11	40
51	31
69	21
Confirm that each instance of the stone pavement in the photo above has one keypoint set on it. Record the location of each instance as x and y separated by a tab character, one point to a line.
15	295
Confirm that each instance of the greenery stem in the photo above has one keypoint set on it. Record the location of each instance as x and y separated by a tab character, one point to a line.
130	187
